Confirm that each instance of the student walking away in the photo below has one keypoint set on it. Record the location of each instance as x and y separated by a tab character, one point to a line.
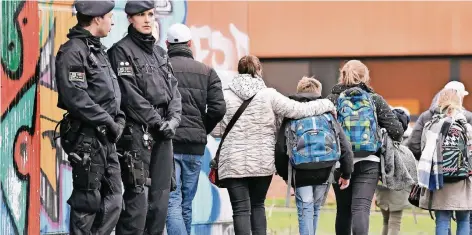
203	106
89	92
314	145
246	160
361	113
392	202
446	138
152	104
414	141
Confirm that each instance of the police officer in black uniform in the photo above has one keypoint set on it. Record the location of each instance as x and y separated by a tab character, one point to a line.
89	91
152	105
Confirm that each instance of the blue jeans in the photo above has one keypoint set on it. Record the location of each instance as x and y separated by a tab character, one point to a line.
309	200
443	222
179	215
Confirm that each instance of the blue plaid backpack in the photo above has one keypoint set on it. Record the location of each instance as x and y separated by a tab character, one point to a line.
357	115
313	142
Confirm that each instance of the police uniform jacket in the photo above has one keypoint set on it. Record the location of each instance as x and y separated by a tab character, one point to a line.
87	86
149	88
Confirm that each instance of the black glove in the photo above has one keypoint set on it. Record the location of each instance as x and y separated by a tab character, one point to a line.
116	130
168	128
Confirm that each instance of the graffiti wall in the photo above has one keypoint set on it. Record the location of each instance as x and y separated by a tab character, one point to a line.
35	176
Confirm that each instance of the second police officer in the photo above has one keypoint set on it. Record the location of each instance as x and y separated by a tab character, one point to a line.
152	104
88	90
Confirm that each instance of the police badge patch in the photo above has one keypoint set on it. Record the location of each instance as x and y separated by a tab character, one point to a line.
125	69
76	74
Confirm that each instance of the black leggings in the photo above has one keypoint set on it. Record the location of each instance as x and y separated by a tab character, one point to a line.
247	197
354	202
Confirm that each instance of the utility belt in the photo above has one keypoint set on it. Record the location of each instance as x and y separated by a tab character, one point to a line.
72	128
135	147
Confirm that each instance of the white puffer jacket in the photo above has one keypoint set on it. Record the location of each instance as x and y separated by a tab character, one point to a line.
248	150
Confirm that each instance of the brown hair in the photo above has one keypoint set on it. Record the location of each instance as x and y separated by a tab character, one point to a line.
309	84
353	73
449	101
250	64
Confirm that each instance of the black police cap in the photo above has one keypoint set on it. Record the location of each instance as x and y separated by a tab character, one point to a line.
134	7
94	8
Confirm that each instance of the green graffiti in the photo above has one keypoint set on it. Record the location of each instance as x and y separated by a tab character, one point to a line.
11	43
16	189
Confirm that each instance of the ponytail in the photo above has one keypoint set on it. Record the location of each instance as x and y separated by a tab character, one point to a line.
353	73
250	65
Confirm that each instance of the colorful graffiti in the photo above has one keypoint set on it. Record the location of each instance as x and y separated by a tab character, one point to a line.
35	176
19	168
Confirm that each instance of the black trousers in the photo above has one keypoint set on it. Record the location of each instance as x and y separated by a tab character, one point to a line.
247	196
133	217
135	198
96	211
353	203
161	170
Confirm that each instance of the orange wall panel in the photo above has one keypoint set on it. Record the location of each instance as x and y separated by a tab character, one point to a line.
466	78
310	29
406	79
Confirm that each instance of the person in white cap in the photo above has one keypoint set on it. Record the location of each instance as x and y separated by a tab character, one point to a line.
203	106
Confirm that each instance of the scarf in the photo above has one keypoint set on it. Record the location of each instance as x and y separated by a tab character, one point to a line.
144	41
430	173
180	49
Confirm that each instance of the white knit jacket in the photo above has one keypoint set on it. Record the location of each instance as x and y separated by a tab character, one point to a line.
248	150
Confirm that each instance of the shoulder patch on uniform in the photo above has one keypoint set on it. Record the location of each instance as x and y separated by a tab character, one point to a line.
125	69
76	74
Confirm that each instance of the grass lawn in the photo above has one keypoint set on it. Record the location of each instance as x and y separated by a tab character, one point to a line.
282	221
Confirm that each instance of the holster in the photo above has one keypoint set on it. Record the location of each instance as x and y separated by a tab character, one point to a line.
135	157
133	170
87	174
69	133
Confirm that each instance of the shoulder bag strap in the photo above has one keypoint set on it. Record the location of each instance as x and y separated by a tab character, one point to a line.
231	124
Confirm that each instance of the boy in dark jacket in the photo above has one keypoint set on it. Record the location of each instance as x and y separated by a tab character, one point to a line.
311	186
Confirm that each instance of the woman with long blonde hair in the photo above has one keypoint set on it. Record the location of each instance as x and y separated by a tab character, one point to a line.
452	191
361	113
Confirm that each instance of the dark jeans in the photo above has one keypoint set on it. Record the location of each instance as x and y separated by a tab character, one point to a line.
179	216
247	197
354	202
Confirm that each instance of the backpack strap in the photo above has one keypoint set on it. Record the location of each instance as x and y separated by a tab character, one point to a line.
230	126
335	125
289	183
430	204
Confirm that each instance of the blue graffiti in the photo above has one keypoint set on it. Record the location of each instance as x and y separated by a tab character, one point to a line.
65	187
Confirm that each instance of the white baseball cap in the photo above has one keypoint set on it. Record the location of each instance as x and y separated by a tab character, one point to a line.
458	86
178	33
